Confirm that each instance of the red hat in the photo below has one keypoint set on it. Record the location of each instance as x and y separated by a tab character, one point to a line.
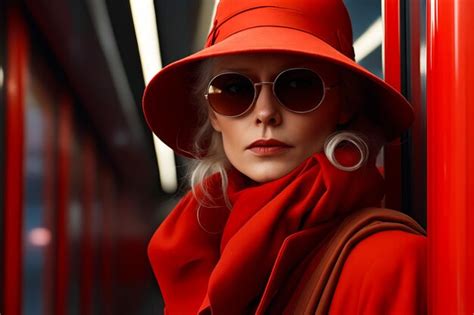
315	28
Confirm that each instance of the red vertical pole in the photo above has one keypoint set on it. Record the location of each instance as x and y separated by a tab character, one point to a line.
65	134
391	44
49	194
17	43
450	73
87	237
107	267
392	75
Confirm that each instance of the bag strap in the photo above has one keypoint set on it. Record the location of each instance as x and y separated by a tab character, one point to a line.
318	292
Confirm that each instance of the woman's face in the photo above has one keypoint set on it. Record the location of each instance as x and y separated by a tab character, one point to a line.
297	135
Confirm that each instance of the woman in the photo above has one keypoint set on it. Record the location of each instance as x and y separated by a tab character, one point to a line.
285	127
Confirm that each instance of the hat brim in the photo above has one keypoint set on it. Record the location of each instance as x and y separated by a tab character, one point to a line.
171	112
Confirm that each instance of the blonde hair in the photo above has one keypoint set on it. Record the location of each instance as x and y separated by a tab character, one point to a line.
211	158
208	149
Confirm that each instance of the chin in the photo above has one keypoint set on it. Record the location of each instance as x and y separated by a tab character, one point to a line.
267	174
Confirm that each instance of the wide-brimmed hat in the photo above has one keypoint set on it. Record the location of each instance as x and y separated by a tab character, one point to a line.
315	28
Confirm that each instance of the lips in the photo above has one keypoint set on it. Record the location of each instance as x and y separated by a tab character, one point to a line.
268	147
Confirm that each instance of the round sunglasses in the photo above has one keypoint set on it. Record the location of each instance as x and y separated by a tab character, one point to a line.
299	90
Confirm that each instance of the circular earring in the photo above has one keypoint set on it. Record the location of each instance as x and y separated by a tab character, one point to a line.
335	139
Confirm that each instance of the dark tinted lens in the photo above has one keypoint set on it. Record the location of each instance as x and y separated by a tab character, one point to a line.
299	90
230	94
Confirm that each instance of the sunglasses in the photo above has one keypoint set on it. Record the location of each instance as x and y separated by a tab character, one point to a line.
299	90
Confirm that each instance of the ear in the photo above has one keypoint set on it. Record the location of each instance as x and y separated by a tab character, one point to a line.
214	121
348	109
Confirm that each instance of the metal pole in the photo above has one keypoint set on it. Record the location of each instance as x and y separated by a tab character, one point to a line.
450	110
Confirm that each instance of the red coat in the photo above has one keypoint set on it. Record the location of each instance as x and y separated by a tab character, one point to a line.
384	274
266	251
376	267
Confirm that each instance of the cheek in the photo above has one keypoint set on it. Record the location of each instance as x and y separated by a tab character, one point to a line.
228	144
311	137
229	134
231	140
327	116
312	132
317	123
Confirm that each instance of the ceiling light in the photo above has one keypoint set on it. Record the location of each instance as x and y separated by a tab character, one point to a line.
146	31
370	40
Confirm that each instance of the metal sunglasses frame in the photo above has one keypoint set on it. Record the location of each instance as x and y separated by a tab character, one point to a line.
255	91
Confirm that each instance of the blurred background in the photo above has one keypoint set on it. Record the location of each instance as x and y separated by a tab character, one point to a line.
83	183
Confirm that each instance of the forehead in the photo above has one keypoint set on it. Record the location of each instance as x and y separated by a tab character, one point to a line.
269	63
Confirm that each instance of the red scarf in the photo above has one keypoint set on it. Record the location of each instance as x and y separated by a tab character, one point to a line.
199	268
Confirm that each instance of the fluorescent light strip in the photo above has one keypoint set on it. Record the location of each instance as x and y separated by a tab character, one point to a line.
423	58
370	40
166	165
146	31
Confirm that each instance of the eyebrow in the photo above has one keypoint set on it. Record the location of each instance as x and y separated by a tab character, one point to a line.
238	69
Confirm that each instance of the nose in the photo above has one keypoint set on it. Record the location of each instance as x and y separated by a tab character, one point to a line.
267	109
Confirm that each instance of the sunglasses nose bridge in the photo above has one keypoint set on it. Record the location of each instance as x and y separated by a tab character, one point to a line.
263	83
258	88
266	107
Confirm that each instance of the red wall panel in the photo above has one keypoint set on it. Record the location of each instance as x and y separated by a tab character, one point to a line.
17	49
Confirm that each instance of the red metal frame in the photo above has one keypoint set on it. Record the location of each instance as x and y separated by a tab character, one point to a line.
450	71
392	75
17	50
58	280
418	134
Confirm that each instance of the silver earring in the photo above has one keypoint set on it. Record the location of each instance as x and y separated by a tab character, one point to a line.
335	139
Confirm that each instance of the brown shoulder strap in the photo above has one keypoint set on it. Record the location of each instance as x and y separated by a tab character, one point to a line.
319	289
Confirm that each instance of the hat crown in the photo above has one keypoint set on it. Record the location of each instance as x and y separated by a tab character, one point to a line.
325	19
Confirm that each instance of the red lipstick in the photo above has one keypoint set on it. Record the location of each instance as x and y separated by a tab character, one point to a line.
266	147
